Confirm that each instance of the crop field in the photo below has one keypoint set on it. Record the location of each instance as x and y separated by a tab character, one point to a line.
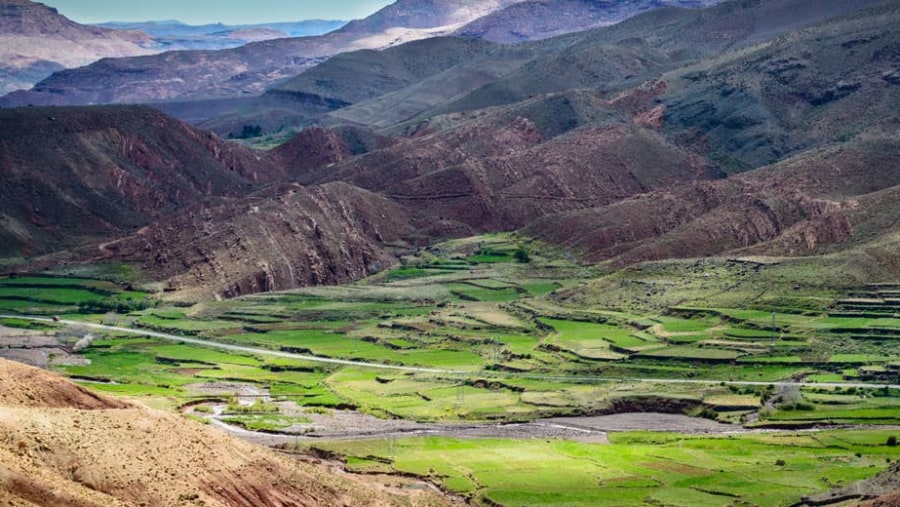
634	469
475	330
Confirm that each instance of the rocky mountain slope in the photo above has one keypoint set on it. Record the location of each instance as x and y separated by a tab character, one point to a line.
128	183
502	169
281	238
740	148
818	202
541	19
828	82
83	175
667	39
626	54
104	452
35	41
249	69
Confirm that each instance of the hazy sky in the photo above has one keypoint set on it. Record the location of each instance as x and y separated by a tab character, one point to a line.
199	12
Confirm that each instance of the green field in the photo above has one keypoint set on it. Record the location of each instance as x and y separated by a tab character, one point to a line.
635	468
506	340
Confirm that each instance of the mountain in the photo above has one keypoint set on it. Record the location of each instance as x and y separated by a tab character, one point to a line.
541	19
626	54
85	175
425	14
286	237
174	35
825	200
35	41
747	138
829	81
127	183
249	69
384	93
501	169
365	75
100	451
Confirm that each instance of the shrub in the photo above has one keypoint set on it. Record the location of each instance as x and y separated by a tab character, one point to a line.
521	255
892	441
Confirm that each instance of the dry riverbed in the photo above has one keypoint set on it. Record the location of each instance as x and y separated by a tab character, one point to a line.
351	425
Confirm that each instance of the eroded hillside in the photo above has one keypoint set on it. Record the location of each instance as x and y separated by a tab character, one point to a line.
103	452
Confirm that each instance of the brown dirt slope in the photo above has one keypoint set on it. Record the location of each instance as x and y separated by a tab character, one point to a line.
136	456
286	237
833	198
72	175
26	387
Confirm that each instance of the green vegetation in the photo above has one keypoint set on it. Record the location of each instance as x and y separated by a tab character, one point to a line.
498	348
635	468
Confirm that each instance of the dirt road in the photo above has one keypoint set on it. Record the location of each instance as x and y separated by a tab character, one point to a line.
415	369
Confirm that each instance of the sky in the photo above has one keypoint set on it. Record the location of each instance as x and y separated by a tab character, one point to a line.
200	12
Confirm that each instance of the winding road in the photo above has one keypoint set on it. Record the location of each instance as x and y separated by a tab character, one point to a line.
416	369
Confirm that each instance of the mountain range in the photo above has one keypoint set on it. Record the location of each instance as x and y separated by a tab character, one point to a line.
35	41
746	128
249	70
172	35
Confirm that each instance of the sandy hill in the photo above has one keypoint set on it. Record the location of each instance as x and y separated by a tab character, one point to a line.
65	447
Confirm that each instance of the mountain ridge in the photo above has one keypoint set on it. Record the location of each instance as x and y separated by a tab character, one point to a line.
248	69
35	41
655	170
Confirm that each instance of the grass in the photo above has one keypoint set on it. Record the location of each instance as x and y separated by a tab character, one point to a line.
266	423
467	306
637	468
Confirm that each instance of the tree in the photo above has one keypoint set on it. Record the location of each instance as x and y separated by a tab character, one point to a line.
521	255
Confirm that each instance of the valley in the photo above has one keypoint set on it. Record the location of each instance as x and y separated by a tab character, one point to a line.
492	253
462	347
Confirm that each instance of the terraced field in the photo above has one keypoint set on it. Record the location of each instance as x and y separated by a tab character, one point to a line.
474	333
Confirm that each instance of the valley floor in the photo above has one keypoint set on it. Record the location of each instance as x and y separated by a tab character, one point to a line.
513	383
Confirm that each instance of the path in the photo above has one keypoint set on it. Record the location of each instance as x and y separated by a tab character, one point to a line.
415	369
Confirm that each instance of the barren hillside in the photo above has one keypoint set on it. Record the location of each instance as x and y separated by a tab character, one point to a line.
35	41
63	446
